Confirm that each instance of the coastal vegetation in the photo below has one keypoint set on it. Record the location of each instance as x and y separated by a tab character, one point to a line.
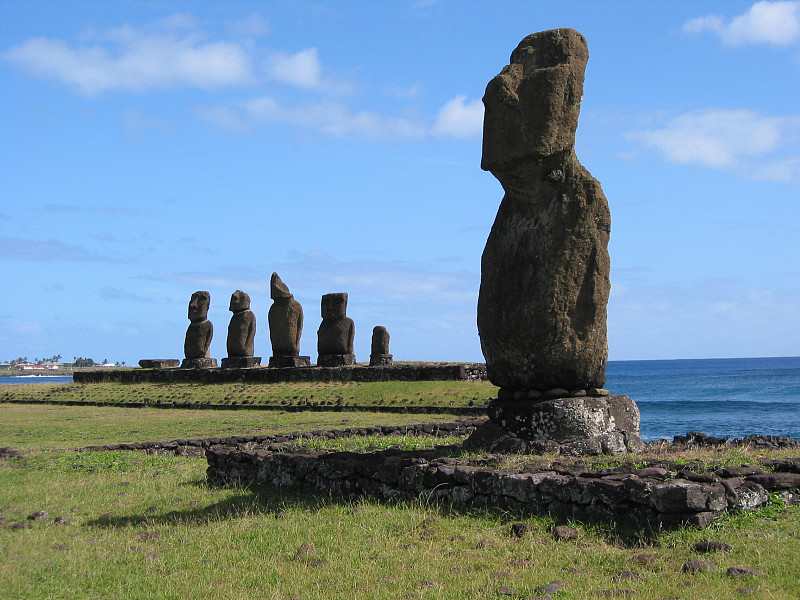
80	524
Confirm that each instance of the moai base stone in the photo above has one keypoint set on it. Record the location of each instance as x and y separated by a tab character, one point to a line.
241	362
159	363
289	361
380	360
336	360
198	363
586	424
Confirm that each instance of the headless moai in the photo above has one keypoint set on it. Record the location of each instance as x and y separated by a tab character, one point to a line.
336	333
379	355
197	344
285	327
241	333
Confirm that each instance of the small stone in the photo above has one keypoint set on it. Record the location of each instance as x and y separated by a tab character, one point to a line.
556	393
39	514
706	546
698	566
550	588
21	525
306	550
484	544
646	560
505	590
562	532
742	572
61	521
428	583
626	576
519	529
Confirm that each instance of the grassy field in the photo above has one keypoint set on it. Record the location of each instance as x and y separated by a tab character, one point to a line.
128	525
441	394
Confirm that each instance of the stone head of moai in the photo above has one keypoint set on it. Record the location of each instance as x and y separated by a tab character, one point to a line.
277	289
239	301
334	306
198	306
545	268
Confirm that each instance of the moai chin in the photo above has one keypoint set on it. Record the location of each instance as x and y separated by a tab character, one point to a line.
285	327
197	344
241	334
379	355
336	333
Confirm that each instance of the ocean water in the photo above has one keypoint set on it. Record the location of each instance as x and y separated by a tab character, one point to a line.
731	397
36	379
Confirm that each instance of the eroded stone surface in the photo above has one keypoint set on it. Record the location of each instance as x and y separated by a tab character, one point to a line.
336	332
545	268
379	354
242	328
285	326
197	343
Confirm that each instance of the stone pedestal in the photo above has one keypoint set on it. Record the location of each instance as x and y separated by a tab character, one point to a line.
380	360
241	362
198	363
159	363
289	361
607	424
336	360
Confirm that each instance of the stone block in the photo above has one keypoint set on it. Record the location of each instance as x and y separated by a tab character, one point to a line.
198	363
241	362
159	363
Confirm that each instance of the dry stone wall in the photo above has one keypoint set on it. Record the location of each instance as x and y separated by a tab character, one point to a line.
657	496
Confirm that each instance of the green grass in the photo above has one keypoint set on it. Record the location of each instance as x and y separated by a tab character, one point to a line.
47	426
149	527
441	394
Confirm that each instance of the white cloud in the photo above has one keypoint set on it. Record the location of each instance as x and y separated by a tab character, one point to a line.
455	119
776	23
460	119
330	118
727	139
137	61
302	69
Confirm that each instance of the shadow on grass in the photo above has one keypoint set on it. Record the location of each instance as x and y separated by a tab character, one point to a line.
264	499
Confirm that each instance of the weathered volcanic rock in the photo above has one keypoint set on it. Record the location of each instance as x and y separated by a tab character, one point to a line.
545	268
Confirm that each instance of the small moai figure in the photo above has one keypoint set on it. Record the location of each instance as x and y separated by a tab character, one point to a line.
336	332
241	334
285	327
197	345
379	356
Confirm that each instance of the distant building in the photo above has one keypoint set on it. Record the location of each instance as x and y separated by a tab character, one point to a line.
46	367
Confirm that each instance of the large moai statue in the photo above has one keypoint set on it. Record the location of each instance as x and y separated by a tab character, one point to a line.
241	334
197	344
379	355
336	333
285	327
545	269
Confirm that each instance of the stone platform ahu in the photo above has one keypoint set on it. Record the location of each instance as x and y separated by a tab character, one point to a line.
545	268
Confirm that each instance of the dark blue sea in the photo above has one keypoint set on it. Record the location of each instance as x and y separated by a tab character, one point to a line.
731	397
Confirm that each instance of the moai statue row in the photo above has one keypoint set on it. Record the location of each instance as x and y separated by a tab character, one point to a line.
334	337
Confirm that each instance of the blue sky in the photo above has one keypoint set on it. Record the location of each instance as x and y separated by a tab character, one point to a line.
154	148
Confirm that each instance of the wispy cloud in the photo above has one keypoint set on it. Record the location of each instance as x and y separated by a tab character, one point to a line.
775	23
460	119
170	54
456	119
757	146
48	251
112	293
